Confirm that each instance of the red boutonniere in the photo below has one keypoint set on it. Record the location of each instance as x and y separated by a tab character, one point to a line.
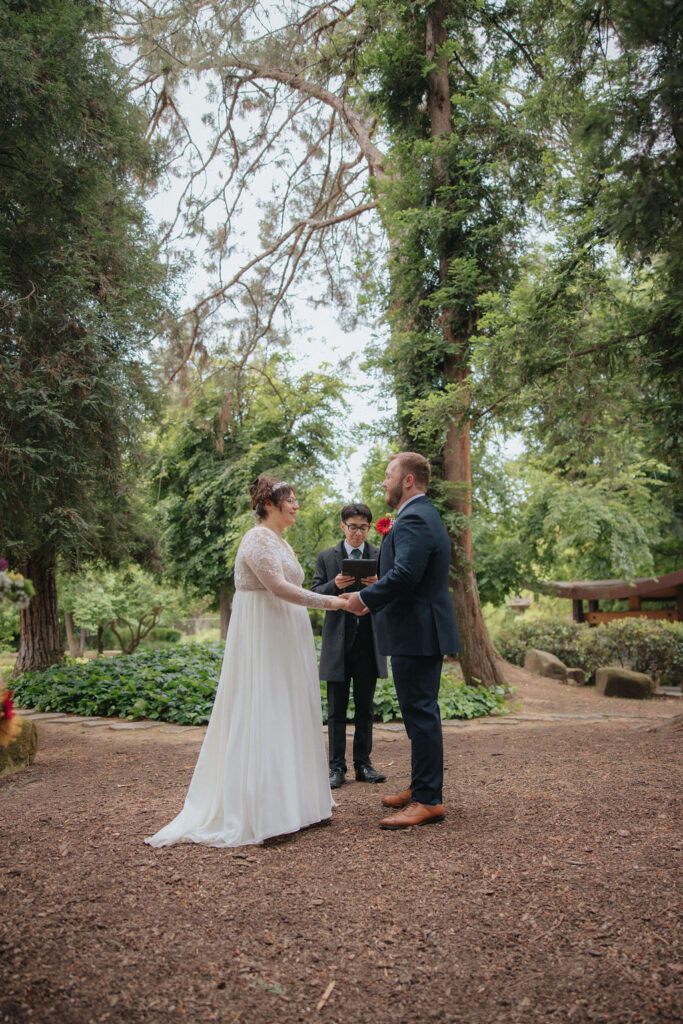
384	525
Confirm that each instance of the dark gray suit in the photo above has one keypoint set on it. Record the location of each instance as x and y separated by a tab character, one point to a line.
349	652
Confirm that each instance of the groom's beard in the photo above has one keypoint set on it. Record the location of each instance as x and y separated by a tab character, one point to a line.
393	495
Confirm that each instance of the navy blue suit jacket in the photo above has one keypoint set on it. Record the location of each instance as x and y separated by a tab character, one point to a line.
411	602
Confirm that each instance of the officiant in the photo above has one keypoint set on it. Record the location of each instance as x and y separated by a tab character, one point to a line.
349	649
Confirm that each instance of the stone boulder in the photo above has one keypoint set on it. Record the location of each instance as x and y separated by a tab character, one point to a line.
615	681
576	676
543	663
21	751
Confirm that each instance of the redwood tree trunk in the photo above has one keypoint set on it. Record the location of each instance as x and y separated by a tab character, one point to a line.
40	644
477	658
225	599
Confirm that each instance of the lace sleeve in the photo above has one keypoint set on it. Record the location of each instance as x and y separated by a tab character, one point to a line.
263	553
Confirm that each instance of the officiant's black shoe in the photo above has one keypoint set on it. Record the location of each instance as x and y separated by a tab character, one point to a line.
336	778
366	773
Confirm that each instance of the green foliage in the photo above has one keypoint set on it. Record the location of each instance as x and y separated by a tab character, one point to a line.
9	626
165	634
244	422
81	288
622	111
650	646
594	496
563	639
127	601
175	685
456	699
178	685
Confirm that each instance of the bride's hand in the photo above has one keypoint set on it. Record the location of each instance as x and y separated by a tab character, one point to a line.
337	603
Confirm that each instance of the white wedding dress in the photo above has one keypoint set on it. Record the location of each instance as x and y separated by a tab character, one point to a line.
262	769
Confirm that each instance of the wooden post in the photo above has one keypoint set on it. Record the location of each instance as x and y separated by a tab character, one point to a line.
577	611
679	602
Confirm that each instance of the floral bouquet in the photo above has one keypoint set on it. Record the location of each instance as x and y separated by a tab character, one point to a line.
13	586
384	524
10	723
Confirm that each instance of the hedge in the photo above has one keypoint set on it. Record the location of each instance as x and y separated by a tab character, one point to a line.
653	646
178	684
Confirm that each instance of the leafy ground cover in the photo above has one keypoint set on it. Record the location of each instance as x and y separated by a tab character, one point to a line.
178	684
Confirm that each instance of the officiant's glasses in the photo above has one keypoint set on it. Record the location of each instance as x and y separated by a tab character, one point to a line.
352	528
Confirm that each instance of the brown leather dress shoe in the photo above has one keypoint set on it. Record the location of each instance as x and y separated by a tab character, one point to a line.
400	800
415	814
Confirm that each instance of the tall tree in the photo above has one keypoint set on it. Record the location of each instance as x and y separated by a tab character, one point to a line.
242	421
463	164
81	290
301	82
444	118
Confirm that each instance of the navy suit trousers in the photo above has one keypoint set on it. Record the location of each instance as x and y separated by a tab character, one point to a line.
417	681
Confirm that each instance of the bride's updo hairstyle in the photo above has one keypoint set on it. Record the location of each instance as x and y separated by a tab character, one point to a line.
268	488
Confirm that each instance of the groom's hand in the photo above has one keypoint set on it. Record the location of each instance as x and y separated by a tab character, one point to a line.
355	605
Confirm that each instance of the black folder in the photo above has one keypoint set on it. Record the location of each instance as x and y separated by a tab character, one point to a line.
359	567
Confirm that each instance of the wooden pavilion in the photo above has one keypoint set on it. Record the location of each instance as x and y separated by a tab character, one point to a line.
637	592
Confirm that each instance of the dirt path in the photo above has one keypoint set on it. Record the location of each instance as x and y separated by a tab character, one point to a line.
549	894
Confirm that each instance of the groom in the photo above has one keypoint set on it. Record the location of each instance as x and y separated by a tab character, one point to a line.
415	624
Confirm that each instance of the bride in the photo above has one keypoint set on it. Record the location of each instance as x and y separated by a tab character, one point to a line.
262	769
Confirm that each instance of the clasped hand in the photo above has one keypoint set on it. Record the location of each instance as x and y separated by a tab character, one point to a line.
352	603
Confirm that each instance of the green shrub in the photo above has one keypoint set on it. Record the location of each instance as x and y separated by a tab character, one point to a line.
165	634
563	639
647	645
9	626
179	685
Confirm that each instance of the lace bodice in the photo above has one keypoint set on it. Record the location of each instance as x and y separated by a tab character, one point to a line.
264	562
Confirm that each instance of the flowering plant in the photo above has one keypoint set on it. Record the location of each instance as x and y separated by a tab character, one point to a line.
384	525
10	723
13	586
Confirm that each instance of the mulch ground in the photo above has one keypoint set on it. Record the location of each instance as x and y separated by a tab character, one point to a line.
549	894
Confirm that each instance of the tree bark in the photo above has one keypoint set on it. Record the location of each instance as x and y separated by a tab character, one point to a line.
225	600
40	644
477	658
72	642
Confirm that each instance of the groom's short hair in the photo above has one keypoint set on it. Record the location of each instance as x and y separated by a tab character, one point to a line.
356	508
418	465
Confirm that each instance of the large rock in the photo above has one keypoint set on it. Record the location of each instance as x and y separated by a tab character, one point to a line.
576	676
21	751
615	681
543	663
